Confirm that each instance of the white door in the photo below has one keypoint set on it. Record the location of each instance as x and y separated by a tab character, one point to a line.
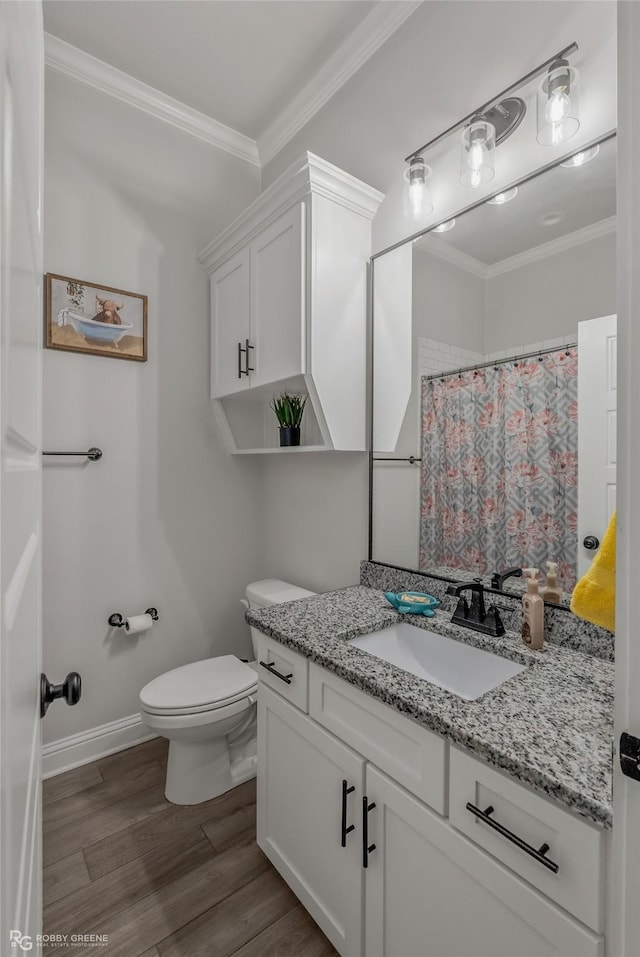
230	305
277	299
21	118
430	892
302	817
597	411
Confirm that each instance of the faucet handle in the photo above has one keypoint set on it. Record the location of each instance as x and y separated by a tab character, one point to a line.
494	621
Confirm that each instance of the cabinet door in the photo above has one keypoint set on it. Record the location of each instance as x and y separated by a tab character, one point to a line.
278	299
301	769
230	306
431	893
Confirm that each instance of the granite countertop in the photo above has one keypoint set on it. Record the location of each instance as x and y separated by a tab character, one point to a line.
551	726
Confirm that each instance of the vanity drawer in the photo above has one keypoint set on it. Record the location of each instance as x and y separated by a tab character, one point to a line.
574	845
284	670
410	754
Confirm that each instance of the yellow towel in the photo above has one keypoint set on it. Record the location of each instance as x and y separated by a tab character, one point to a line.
594	597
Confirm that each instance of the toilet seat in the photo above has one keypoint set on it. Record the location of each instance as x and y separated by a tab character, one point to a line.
201	686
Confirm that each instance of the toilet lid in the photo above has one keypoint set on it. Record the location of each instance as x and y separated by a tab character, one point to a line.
201	685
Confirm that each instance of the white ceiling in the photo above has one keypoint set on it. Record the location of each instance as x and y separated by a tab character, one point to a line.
250	64
238	61
582	196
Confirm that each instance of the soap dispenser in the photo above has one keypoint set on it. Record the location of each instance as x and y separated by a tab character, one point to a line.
552	590
532	611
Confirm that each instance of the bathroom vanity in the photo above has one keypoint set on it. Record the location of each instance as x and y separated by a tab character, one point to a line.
410	821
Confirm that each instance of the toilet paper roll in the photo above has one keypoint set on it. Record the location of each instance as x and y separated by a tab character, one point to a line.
138	623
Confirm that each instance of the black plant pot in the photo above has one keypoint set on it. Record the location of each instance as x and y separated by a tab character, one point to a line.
289	435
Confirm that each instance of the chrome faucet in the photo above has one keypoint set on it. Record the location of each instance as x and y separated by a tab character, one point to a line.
475	615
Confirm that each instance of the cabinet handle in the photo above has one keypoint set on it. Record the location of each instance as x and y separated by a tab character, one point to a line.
241	371
366	847
247	367
539	855
271	668
344	830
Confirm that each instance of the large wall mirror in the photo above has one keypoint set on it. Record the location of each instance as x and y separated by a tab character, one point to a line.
494	390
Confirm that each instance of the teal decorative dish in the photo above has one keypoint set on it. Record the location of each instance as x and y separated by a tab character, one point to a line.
412	602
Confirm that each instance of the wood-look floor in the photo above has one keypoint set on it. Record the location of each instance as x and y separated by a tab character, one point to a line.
161	880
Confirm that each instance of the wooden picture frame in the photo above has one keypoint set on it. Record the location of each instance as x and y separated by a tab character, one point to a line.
96	320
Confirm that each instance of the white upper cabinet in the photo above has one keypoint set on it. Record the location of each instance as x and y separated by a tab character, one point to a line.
277	300
288	309
230	302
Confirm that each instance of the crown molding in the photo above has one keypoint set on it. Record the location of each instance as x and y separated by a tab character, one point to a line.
308	175
429	244
72	62
553	247
358	47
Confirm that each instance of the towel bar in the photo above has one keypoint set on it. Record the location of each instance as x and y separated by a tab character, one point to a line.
93	454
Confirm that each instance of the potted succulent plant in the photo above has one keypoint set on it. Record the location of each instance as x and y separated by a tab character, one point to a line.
288	408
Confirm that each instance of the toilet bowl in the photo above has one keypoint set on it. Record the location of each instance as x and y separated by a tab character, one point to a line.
207	710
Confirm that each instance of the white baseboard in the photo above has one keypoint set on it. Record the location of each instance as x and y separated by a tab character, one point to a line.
87	746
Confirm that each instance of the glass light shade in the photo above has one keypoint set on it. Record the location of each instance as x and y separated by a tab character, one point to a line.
415	195
503	198
584	156
477	153
558	105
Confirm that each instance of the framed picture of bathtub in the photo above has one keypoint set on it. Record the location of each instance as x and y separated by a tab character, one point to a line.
97	320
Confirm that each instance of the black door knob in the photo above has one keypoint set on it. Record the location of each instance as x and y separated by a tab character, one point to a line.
70	690
591	542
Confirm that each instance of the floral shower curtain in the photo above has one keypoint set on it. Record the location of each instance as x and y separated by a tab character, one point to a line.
499	467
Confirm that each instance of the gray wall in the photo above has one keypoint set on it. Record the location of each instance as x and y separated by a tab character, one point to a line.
167	518
548	298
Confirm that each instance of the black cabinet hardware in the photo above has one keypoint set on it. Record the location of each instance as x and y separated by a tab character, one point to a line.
366	847
344	830
247	367
591	542
630	755
70	690
241	371
538	854
271	667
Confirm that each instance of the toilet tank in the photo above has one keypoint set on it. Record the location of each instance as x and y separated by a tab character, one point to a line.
271	591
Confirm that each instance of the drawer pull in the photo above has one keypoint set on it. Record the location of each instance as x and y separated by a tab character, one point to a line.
271	668
344	830
539	855
366	847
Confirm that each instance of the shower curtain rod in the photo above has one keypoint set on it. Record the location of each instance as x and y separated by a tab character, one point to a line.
499	362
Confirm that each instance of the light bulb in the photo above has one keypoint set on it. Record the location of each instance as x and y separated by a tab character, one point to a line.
557	105
417	199
477	153
415	195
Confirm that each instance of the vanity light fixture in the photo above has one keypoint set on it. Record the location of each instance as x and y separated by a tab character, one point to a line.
501	198
415	193
558	115
579	159
490	124
444	227
477	153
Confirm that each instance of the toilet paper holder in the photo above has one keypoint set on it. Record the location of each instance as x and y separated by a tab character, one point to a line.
117	621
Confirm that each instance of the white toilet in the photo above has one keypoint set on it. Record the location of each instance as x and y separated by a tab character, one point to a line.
207	710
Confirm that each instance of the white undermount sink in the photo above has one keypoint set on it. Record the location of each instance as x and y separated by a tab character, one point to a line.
463	669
